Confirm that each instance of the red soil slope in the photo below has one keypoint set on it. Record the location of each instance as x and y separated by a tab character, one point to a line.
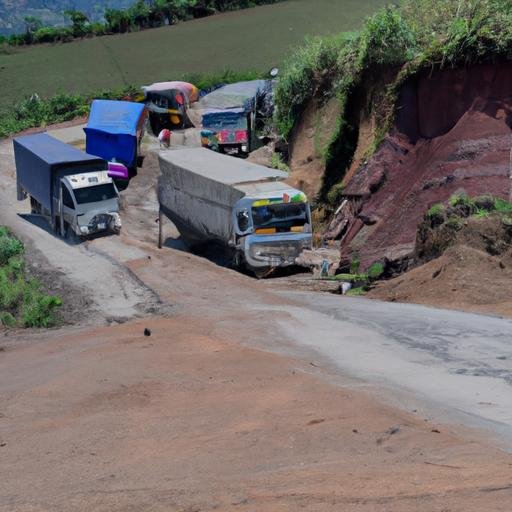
452	134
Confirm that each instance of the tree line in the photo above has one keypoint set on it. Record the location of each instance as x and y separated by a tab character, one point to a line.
141	15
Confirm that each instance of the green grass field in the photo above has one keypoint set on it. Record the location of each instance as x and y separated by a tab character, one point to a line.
252	39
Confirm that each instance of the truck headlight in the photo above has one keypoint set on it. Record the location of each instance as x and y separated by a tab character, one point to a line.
84	230
117	219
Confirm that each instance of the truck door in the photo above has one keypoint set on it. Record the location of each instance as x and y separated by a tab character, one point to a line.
68	206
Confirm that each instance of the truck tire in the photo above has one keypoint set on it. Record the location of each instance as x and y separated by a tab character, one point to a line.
35	207
155	125
262	273
71	237
55	225
237	262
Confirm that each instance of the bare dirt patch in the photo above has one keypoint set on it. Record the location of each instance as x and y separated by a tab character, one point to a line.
189	419
472	273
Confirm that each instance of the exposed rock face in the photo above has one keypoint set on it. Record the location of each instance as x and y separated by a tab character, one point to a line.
452	133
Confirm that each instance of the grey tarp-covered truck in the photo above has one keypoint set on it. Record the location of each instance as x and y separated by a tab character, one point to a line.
247	207
71	188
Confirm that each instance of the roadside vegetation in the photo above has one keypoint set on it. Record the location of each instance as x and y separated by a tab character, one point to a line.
444	224
39	112
401	40
22	301
140	15
361	281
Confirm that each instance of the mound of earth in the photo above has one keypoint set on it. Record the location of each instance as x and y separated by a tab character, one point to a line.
473	273
452	133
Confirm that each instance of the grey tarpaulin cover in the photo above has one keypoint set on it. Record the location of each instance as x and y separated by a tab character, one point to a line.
239	95
198	188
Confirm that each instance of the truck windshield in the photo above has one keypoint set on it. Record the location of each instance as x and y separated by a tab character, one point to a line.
282	217
95	194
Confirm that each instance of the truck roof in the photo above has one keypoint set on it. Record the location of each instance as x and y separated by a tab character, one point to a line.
53	151
115	117
221	168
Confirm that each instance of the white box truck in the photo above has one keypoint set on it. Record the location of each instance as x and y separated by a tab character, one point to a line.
69	187
247	207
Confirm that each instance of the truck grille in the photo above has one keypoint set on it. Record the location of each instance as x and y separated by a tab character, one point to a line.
286	251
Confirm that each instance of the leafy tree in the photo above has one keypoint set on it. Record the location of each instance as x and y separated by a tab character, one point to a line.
139	14
32	24
118	20
79	22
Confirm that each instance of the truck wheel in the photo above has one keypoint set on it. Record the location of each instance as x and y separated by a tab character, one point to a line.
262	273
35	207
54	224
238	260
155	126
71	237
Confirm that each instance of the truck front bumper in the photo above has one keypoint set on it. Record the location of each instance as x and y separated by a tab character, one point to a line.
281	250
101	222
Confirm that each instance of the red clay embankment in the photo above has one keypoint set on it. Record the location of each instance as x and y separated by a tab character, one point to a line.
452	133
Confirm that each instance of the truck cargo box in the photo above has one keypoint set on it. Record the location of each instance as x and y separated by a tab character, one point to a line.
41	159
198	189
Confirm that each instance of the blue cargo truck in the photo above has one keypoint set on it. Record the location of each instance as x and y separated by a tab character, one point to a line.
70	188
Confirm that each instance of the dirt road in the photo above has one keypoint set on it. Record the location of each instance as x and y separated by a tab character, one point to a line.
245	396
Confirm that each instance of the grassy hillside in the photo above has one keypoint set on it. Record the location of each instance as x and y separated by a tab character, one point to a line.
394	45
256	38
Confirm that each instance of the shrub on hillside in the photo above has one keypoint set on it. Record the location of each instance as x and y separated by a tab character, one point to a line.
9	246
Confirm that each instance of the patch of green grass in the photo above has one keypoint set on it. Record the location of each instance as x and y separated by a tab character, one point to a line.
436	214
375	270
436	210
355	264
9	246
7	320
357	292
22	300
351	277
277	163
502	206
481	213
335	194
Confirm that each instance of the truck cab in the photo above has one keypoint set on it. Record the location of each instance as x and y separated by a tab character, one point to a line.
272	231
89	203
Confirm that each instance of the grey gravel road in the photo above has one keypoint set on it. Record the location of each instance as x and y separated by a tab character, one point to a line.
457	365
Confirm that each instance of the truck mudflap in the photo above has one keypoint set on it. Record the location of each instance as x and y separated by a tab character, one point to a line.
271	251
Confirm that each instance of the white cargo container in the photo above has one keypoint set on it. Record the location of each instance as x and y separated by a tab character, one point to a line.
246	207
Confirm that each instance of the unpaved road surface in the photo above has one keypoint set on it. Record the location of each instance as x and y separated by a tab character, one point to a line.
246	396
117	295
